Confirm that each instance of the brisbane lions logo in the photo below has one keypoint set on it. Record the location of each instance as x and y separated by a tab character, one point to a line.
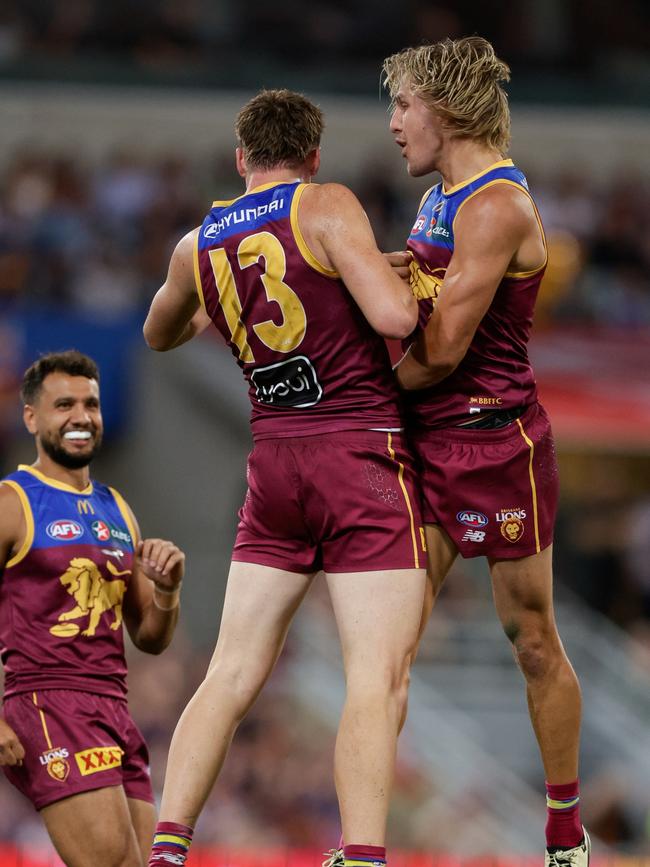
424	284
93	594
512	529
58	769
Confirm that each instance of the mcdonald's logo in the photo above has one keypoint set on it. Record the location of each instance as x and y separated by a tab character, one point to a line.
86	507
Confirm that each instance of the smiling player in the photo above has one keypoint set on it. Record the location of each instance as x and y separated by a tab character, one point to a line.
72	569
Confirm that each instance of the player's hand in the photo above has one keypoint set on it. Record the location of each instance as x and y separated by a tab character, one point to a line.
11	749
399	262
162	562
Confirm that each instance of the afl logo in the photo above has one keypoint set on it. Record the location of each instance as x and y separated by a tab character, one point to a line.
101	530
472	519
64	531
420	223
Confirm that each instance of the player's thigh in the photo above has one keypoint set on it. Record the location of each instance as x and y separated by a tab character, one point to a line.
378	614
143	819
258	608
94	828
523	589
441	554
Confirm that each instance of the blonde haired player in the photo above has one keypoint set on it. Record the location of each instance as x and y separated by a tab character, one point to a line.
475	260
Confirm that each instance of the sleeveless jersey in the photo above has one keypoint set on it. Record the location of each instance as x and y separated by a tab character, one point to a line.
61	594
312	362
495	372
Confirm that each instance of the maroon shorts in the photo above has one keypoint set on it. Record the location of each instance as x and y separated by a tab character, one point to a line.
495	492
76	742
341	502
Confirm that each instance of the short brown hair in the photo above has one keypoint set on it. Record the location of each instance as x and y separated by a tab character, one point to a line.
278	128
71	362
459	79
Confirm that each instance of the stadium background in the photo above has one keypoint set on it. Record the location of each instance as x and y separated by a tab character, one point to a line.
116	136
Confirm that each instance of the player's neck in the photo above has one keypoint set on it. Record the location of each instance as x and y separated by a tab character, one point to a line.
78	478
274	176
465	159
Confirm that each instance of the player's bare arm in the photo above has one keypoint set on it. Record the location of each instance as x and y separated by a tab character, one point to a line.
495	231
12	532
12	524
152	602
338	232
175	315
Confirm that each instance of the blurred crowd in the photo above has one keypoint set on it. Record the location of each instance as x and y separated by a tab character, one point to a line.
190	39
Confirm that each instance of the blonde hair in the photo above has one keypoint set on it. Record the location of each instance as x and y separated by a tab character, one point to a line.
459	79
278	128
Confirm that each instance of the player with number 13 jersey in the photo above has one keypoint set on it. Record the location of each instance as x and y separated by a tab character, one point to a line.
312	361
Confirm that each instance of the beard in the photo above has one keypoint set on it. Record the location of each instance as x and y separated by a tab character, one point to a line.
60	456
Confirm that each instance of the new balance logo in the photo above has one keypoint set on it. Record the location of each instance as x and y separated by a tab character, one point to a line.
474	536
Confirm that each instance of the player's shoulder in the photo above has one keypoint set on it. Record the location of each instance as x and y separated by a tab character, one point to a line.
14	488
184	249
330	204
9	492
11	506
330	194
499	205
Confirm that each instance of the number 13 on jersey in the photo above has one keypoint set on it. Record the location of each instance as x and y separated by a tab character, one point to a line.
279	338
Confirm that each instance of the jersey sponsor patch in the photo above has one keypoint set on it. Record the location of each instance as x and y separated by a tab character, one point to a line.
101	531
64	530
244	218
97	759
290	383
104	532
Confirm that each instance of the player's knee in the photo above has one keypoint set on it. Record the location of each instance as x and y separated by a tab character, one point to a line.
117	850
387	682
234	684
535	655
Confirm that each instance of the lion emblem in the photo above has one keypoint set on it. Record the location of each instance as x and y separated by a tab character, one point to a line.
425	285
93	594
58	769
512	529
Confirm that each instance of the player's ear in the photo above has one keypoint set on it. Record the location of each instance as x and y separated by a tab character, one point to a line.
240	160
313	162
29	418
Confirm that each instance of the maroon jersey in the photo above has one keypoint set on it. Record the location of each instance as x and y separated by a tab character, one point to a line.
61	594
313	363
495	372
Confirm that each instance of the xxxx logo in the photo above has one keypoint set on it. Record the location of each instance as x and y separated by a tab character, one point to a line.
98	759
